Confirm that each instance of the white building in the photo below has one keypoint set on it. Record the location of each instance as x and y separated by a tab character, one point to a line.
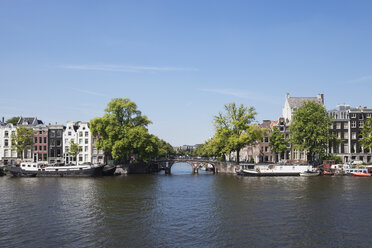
80	133
7	155
293	103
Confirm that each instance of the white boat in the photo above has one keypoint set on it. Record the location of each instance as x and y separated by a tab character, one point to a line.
273	170
32	169
310	173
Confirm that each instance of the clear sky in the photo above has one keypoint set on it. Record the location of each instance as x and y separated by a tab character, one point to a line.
181	61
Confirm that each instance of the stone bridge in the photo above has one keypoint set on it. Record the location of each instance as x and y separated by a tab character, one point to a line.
196	164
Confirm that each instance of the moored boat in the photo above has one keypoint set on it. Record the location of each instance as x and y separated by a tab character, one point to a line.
273	170
361	173
310	173
31	169
2	171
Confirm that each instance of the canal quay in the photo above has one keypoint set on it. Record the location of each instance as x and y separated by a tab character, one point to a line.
185	209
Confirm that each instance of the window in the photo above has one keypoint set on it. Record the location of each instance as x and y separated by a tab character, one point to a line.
339	135
45	157
52	152
58	152
59	133
40	140
369	115
86	133
85	148
346	148
45	140
66	148
80	134
35	139
86	141
353	124
52	133
35	148
6	134
86	157
80	141
353	115
338	125
51	142
346	125
69	133
80	158
361	124
58	142
6	153
40	148
353	135
40	132
94	150
6	143
45	148
346	135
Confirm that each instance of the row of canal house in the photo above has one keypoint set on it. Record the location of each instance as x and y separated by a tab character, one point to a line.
347	125
51	143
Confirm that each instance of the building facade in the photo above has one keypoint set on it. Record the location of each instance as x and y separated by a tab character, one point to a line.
40	144
7	155
55	143
347	125
98	156
78	132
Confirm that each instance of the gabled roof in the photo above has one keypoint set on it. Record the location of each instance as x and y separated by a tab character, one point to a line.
296	102
29	121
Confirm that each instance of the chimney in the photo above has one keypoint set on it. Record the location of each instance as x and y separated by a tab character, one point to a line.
3	120
365	107
287	95
321	98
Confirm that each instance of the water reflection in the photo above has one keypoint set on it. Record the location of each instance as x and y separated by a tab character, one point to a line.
185	210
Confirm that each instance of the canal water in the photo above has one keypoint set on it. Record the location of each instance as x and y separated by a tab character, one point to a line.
186	210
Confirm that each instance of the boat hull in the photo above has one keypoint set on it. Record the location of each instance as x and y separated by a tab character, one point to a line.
268	174
306	174
90	172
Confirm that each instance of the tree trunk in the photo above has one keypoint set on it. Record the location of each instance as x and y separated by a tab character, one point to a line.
237	156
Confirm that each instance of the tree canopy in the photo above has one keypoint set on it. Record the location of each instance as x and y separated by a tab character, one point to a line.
74	150
366	140
22	140
309	130
278	143
13	120
234	130
122	132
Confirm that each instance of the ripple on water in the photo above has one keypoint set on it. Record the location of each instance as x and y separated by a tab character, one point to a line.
185	210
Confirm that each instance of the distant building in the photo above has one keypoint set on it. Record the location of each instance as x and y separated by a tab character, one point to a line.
55	143
293	103
98	156
79	132
40	143
347	125
7	155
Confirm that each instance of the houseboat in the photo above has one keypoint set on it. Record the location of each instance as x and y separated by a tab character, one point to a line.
272	170
32	169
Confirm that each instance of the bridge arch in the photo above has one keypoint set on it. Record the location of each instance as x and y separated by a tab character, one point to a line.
195	164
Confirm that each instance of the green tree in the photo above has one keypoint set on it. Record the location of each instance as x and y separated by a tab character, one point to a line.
74	150
366	139
278	143
234	129
22	140
310	131
122	132
13	120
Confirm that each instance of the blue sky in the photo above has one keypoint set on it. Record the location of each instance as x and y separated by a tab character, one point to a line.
181	61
